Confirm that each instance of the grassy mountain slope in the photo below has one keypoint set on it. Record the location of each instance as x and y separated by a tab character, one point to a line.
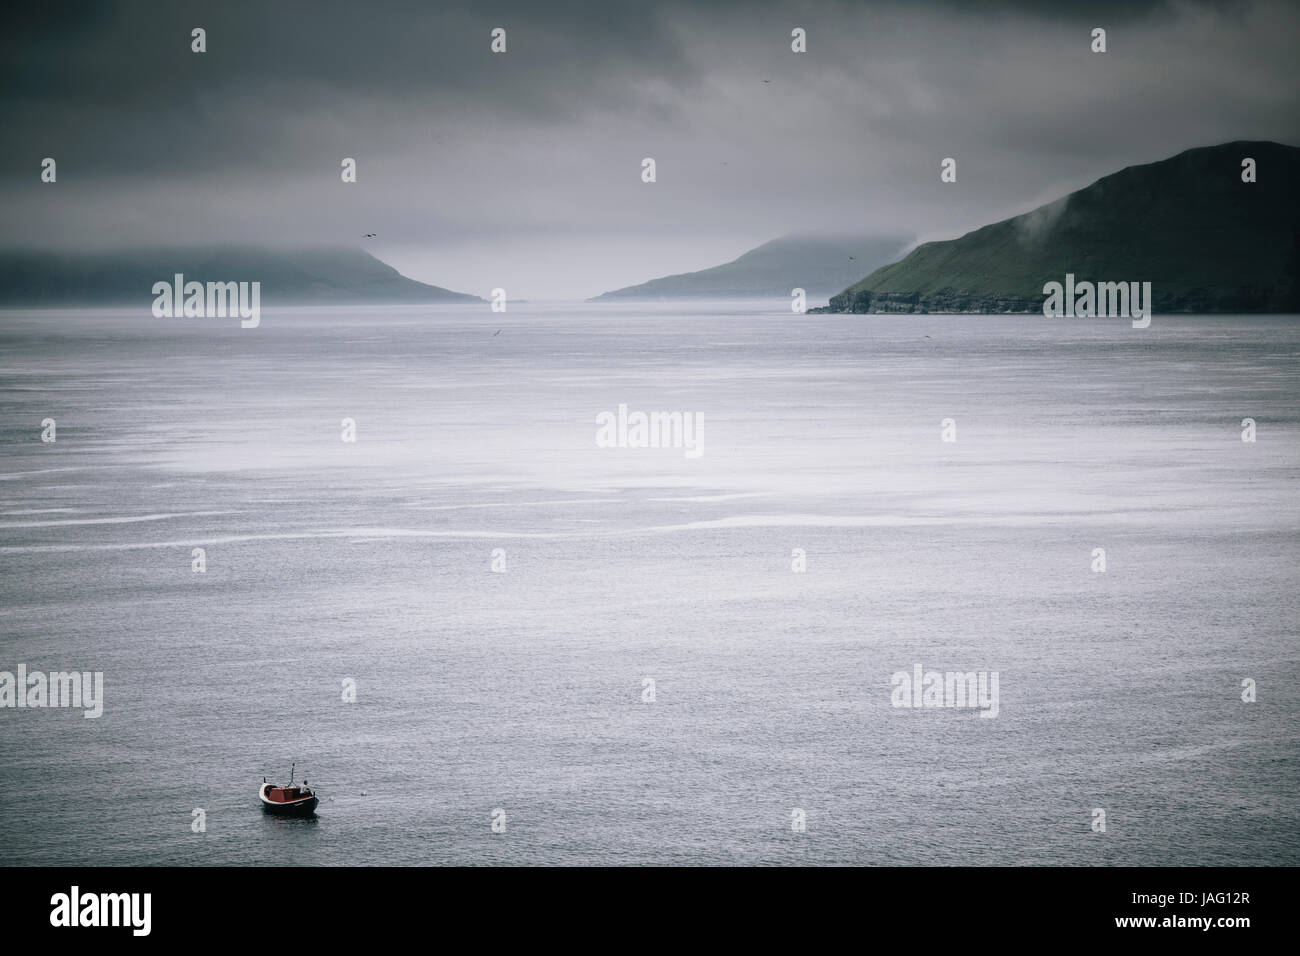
1205	240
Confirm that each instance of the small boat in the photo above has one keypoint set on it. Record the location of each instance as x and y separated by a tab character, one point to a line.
288	801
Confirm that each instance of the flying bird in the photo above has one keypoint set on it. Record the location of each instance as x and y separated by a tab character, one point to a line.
369	235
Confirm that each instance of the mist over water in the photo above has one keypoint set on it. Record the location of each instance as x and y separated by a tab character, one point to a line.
523	690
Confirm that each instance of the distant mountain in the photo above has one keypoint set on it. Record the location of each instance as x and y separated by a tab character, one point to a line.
1205	240
288	276
819	266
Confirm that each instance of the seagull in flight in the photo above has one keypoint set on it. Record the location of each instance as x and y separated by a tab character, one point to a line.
369	235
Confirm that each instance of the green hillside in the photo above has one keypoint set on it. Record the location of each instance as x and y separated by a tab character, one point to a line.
1205	240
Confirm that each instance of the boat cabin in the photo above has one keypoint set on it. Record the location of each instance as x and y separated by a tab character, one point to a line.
286	794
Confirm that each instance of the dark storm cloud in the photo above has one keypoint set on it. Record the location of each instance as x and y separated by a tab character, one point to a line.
527	164
115	88
118	82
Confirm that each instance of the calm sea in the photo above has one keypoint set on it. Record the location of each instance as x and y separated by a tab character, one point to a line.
523	691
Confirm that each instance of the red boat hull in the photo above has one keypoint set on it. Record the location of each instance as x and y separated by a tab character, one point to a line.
276	804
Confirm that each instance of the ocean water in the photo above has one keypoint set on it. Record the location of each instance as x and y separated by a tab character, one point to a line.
522	691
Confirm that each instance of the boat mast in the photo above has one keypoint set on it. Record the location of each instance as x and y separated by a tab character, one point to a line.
291	766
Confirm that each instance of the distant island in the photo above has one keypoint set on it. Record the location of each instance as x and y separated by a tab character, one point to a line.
314	276
1203	238
818	265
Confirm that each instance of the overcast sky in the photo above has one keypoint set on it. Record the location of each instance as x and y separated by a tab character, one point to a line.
523	169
